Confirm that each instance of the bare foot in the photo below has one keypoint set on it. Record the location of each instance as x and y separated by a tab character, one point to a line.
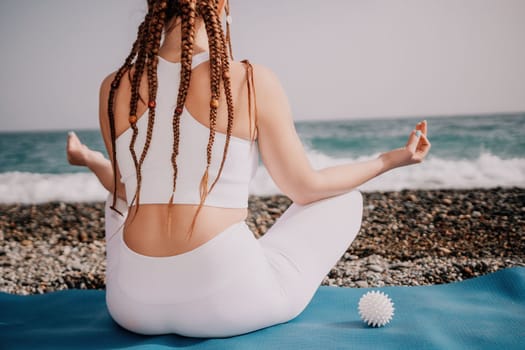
77	152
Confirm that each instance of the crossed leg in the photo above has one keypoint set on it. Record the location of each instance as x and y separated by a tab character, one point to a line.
307	241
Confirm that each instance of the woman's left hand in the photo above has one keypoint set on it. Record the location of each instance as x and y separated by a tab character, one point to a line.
415	150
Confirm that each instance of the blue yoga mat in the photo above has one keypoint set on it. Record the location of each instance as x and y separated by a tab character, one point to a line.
487	312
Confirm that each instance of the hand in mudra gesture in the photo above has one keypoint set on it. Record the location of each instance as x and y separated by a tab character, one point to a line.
415	150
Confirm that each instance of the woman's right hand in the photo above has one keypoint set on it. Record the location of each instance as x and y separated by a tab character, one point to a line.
415	150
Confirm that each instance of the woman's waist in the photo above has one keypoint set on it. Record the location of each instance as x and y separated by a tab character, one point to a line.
148	233
231	255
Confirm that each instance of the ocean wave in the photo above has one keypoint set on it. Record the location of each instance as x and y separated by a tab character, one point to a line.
23	187
486	171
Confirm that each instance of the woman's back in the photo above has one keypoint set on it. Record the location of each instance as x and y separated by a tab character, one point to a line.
146	232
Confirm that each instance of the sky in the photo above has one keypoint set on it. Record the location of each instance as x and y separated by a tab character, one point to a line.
339	59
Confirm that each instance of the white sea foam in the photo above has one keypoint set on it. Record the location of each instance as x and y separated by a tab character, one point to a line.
434	173
484	172
19	187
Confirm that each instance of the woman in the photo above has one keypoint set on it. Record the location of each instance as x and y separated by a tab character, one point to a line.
182	260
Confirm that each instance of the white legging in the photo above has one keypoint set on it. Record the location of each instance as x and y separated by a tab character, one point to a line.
234	283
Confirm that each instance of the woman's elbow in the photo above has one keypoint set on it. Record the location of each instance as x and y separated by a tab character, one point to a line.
299	198
306	191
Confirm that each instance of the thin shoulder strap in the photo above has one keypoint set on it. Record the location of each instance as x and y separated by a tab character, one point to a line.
251	89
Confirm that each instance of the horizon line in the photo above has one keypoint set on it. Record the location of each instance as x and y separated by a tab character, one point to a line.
332	119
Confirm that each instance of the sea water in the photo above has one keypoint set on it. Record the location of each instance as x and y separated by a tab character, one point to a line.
467	152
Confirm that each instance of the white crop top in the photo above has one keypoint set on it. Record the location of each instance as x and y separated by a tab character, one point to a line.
231	191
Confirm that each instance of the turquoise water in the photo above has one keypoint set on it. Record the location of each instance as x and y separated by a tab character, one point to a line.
451	137
467	152
42	152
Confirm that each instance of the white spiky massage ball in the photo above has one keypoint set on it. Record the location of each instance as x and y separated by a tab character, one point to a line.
376	309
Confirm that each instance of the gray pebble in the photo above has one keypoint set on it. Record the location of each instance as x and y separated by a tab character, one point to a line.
362	284
376	268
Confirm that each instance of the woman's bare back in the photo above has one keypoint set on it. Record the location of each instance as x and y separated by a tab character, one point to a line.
146	232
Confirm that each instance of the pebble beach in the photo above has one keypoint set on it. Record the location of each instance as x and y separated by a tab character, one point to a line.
409	237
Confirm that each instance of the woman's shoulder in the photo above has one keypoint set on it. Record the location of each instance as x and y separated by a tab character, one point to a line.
264	78
122	92
259	70
105	85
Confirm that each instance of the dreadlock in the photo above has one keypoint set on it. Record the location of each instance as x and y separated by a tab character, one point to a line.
144	58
